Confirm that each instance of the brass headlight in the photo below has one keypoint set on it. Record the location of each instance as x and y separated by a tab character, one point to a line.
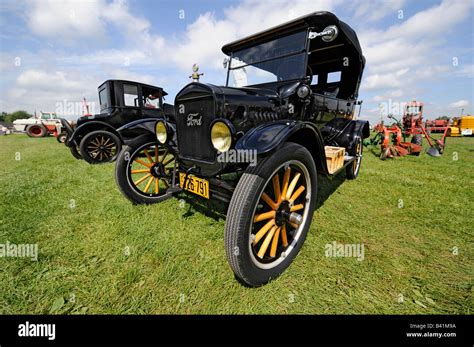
221	136
161	132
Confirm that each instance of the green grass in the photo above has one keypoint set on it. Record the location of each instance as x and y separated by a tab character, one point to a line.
177	262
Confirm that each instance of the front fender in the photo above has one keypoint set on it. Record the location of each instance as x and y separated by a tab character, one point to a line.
88	127
144	126
269	136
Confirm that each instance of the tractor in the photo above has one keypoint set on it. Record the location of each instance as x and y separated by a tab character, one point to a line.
390	138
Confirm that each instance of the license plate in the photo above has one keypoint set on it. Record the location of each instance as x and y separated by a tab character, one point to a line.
466	132
195	185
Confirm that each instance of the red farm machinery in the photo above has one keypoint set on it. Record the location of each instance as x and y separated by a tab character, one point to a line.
393	139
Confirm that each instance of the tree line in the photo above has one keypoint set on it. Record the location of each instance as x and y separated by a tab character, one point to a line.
10	117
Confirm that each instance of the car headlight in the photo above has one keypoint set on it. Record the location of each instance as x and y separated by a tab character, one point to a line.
161	132
221	136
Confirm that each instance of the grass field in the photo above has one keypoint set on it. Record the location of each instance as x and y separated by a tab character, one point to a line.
100	254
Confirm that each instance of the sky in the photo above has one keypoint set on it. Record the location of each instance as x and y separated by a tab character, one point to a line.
54	53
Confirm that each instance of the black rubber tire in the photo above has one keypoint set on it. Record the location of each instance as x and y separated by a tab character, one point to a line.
75	152
417	139
352	171
121	172
36	130
61	138
242	206
87	156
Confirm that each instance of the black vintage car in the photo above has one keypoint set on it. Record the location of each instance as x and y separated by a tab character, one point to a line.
96	138
289	100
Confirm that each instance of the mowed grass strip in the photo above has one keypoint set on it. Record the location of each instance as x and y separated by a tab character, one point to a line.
100	254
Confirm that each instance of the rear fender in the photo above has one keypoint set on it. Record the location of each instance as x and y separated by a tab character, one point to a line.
342	132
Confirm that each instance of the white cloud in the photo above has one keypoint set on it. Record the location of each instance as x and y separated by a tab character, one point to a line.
66	20
71	20
204	38
388	80
459	104
373	10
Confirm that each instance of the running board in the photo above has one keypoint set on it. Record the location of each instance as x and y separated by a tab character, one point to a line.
348	160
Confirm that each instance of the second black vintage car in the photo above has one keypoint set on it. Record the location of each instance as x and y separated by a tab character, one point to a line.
96	138
286	114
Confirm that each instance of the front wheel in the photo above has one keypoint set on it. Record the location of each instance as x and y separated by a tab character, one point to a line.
100	146
145	170
270	214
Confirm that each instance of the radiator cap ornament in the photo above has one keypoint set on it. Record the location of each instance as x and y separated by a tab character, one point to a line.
195	75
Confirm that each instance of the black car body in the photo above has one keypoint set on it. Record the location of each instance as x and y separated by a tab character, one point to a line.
121	102
295	101
263	116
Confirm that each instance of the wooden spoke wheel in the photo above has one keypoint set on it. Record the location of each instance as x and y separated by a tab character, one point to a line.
100	146
145	171
352	171
270	214
150	170
279	214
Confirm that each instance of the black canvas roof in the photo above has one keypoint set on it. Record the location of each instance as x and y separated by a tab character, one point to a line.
133	82
316	20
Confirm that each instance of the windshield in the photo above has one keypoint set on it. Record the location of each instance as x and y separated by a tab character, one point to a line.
277	60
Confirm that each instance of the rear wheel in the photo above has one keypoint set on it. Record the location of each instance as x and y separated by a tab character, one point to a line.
352	171
144	171
61	138
75	152
36	130
270	214
100	146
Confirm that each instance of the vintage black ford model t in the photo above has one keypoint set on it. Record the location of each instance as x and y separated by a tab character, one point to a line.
290	99
95	137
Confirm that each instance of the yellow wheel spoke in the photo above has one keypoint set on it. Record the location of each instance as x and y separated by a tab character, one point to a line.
263	231
150	159
142	162
297	208
140	171
150	181
286	180
142	179
263	216
157	186
297	194
292	186
273	249
284	239
157	159
266	242
276	188
269	201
